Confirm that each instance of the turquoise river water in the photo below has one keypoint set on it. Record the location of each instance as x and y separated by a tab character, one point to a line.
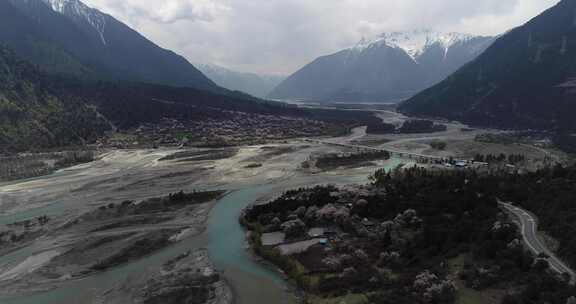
225	240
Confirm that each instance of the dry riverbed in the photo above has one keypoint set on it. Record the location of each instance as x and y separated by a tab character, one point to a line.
187	278
99	216
104	238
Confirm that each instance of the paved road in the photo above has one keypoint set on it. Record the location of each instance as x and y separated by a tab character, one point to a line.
529	226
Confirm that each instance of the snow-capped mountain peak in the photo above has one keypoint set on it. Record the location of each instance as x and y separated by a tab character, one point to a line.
57	5
414	43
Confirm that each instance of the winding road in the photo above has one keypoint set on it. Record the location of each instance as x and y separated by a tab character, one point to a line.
529	228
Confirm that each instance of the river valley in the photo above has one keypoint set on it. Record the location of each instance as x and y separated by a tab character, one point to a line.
248	174
139	174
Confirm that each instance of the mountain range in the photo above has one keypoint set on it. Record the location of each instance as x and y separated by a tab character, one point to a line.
259	85
525	80
392	67
69	73
68	37
40	110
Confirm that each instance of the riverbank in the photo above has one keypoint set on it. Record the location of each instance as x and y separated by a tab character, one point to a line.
103	238
29	165
293	292
187	278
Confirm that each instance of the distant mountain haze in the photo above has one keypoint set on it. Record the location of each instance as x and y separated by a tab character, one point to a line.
526	79
257	85
66	36
392	67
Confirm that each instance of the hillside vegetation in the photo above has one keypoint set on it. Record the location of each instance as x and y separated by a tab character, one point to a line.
34	115
413	236
524	80
40	110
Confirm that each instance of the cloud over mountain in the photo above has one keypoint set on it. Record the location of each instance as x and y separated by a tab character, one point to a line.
280	36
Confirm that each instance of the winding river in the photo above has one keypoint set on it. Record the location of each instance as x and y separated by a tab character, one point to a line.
224	238
250	280
227	247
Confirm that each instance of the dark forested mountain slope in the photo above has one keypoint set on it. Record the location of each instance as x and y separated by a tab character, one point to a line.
27	38
39	110
34	114
130	104
526	79
68	36
394	66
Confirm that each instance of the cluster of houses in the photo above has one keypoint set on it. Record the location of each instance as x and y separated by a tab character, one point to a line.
331	225
315	236
231	129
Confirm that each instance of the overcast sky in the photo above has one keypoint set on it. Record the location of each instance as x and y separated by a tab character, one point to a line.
280	36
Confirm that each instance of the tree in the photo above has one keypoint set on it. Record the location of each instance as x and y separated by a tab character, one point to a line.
541	265
438	145
294	228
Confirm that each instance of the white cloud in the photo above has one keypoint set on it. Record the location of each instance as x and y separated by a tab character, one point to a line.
175	10
166	11
282	35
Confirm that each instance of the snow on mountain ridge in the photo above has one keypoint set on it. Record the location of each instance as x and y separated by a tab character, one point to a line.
77	9
414	43
57	5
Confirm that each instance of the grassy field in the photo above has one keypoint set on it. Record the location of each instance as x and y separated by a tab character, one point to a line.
469	296
464	295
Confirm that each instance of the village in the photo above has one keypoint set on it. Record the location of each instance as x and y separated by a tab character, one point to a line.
295	237
233	128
